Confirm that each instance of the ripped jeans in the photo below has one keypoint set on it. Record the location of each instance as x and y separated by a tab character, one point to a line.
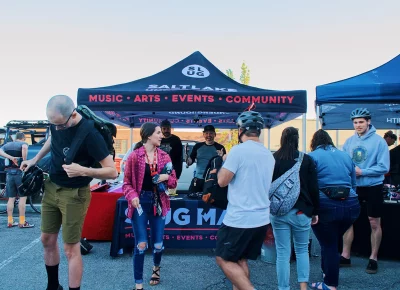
139	225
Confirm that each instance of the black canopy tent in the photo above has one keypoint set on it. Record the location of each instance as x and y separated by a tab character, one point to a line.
191	93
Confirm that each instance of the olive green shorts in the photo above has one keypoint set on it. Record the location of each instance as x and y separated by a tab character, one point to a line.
66	207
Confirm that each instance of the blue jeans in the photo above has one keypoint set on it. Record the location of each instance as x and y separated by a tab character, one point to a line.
283	226
139	225
335	217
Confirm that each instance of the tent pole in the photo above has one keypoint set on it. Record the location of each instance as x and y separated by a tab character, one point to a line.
269	139
317	119
304	133
130	137
337	138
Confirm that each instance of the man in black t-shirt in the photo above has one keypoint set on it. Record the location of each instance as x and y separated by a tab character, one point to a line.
202	153
172	145
395	165
67	193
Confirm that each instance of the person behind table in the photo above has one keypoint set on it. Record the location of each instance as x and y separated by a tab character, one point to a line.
203	152
172	144
145	204
66	193
335	172
15	151
390	139
395	165
298	220
248	170
370	155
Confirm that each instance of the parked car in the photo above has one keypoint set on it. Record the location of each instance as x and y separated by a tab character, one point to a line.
187	173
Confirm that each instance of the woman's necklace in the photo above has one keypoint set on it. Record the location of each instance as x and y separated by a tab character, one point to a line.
153	165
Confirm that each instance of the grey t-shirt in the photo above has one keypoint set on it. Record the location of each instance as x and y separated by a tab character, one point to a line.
14	149
203	154
248	200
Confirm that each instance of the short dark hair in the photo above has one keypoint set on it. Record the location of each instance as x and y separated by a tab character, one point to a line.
165	123
321	138
390	134
252	132
20	136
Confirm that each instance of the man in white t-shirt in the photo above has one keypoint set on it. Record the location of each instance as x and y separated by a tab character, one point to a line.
248	171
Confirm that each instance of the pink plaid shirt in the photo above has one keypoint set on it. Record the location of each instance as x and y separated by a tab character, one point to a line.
134	175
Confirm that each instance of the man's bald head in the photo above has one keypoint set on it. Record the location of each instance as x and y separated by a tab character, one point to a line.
60	104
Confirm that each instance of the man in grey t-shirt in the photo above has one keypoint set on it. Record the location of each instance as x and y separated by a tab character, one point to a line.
14	152
203	152
248	171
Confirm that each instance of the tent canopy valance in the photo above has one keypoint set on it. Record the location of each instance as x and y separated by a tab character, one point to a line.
191	93
378	90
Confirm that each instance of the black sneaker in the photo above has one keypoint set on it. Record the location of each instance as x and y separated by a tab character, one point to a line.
372	267
59	287
344	262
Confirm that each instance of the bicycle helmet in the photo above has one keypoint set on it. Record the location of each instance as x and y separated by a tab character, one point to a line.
32	181
360	113
250	119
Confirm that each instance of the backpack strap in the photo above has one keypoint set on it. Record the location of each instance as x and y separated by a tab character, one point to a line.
300	159
297	165
83	130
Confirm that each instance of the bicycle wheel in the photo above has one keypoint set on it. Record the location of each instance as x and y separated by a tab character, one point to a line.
3	198
36	201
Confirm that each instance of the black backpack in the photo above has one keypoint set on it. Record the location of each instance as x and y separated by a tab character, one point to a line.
107	130
213	194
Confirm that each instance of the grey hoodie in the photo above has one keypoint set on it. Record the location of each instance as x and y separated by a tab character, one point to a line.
371	154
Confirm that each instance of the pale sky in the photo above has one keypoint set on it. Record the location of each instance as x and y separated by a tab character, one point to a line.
55	47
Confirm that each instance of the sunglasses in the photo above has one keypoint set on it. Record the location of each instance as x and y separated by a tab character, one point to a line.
64	126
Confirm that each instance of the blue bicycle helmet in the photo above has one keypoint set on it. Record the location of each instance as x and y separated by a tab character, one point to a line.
250	119
360	113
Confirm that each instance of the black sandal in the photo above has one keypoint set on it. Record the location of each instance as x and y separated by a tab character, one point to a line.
155	280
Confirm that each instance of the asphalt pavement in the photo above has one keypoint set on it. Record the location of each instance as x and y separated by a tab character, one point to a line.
22	267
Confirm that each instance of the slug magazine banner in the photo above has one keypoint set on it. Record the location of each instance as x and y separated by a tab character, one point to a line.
189	224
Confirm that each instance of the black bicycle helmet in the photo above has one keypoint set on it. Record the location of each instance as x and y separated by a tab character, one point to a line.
32	181
360	113
250	119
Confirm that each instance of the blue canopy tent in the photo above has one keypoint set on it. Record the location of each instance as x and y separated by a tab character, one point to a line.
191	93
378	90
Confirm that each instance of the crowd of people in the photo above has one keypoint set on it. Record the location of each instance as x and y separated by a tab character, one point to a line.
332	183
329	186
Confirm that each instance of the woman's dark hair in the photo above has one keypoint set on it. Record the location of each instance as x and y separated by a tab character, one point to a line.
289	144
321	138
146	130
390	134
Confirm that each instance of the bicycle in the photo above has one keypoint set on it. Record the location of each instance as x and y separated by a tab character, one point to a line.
33	200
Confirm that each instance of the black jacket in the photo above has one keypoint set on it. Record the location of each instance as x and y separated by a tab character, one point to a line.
308	201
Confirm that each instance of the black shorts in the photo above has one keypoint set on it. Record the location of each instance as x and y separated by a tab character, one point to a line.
373	196
234	244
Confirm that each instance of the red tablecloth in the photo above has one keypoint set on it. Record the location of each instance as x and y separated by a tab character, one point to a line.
99	221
